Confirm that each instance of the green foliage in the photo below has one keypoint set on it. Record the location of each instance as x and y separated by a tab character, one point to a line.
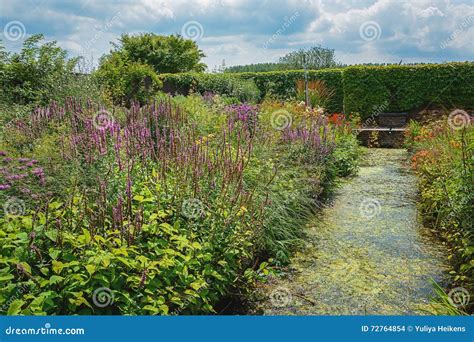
441	158
153	258
402	88
41	72
165	54
314	58
280	84
130	71
165	272
362	89
125	81
222	84
258	67
318	95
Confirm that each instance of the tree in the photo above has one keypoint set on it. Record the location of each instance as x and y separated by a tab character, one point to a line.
40	72
316	57
165	54
130	71
125	81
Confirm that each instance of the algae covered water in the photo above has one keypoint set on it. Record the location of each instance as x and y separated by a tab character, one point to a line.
367	253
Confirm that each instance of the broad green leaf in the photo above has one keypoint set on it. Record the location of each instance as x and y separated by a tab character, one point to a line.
6	277
91	269
57	266
55	279
15	307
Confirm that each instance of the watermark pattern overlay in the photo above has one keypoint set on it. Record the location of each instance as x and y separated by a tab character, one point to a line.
376	111
459	119
459	297
21	290
14	206
281	119
193	208
192	30
286	24
370	30
370	208
464	25
103	119
281	297
101	31
103	297
14	30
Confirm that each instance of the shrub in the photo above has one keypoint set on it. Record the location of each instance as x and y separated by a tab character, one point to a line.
125	81
42	72
164	54
319	94
441	159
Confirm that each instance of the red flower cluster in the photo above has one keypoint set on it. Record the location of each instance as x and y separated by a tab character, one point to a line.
337	119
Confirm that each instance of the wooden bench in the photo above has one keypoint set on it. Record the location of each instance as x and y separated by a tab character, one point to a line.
392	120
389	129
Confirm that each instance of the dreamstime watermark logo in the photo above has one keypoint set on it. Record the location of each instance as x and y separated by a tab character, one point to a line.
192	30
14	207
459	296
281	119
461	27
103	119
280	297
286	24
459	119
376	111
102	31
102	297
46	330
14	30
193	208
370	208
190	297
20	291
370	30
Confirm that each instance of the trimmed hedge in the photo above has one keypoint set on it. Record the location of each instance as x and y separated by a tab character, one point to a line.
363	89
399	88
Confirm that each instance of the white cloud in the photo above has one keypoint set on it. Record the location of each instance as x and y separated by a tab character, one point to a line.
236	30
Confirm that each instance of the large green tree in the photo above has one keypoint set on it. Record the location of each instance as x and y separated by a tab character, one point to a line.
130	71
165	54
316	57
40	72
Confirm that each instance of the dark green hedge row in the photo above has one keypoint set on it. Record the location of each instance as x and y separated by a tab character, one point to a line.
362	89
398	88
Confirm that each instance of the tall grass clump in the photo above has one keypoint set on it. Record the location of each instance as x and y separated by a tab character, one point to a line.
442	158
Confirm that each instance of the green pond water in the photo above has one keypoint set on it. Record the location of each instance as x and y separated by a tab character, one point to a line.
366	253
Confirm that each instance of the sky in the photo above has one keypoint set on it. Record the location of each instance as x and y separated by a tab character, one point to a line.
252	31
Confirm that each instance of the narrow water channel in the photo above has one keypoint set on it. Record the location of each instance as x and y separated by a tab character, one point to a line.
367	252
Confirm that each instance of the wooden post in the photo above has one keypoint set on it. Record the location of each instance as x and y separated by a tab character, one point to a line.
306	95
